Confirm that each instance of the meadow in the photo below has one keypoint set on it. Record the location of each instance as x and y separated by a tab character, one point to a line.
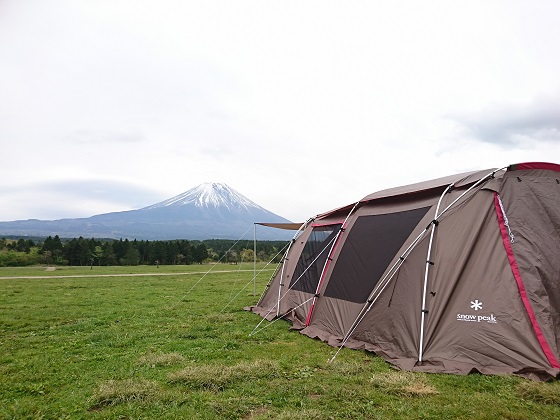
174	342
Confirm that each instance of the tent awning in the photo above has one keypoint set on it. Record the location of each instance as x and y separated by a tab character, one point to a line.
286	226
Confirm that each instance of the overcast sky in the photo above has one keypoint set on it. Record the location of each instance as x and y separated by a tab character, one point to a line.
301	106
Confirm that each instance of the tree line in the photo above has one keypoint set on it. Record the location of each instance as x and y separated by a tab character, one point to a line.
82	252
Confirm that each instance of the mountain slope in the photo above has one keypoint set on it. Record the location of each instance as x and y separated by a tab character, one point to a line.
209	211
210	195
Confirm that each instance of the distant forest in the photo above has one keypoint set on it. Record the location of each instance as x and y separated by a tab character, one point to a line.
16	252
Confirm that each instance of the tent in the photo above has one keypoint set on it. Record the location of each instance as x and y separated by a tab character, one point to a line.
455	275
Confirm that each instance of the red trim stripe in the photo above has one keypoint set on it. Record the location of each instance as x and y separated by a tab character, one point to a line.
338	222
535	165
324	273
522	292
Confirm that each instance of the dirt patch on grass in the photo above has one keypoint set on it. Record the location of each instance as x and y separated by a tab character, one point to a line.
404	383
216	378
544	393
306	413
161	359
220	318
115	392
255	414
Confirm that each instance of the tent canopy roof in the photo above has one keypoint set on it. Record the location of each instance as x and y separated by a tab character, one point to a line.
286	226
458	180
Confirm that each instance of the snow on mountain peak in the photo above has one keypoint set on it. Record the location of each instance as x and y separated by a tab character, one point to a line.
207	195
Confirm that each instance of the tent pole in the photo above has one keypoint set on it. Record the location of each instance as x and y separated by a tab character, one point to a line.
254	259
284	260
476	184
327	263
376	292
389	276
294	282
426	272
421	235
277	306
301	229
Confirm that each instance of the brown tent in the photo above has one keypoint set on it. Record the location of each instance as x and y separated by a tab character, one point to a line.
456	275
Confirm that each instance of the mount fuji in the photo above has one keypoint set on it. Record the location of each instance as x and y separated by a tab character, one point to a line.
208	211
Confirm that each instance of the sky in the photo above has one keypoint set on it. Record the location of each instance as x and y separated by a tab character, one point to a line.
301	106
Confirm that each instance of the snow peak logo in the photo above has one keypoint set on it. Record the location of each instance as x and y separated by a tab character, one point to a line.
477	305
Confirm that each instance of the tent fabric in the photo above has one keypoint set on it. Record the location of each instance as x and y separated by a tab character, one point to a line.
458	180
285	226
485	298
536	248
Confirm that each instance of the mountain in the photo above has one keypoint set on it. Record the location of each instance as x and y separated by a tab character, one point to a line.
209	211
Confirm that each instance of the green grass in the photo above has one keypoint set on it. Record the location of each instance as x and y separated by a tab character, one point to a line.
146	347
41	271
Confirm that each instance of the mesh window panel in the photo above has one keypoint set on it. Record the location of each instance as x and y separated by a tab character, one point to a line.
371	245
312	259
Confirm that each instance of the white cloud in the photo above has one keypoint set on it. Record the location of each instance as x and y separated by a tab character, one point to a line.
509	125
300	106
71	197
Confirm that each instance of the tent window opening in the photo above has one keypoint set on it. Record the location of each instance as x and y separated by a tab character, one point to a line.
371	245
313	257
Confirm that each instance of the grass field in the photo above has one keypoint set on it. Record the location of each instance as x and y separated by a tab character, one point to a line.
78	343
